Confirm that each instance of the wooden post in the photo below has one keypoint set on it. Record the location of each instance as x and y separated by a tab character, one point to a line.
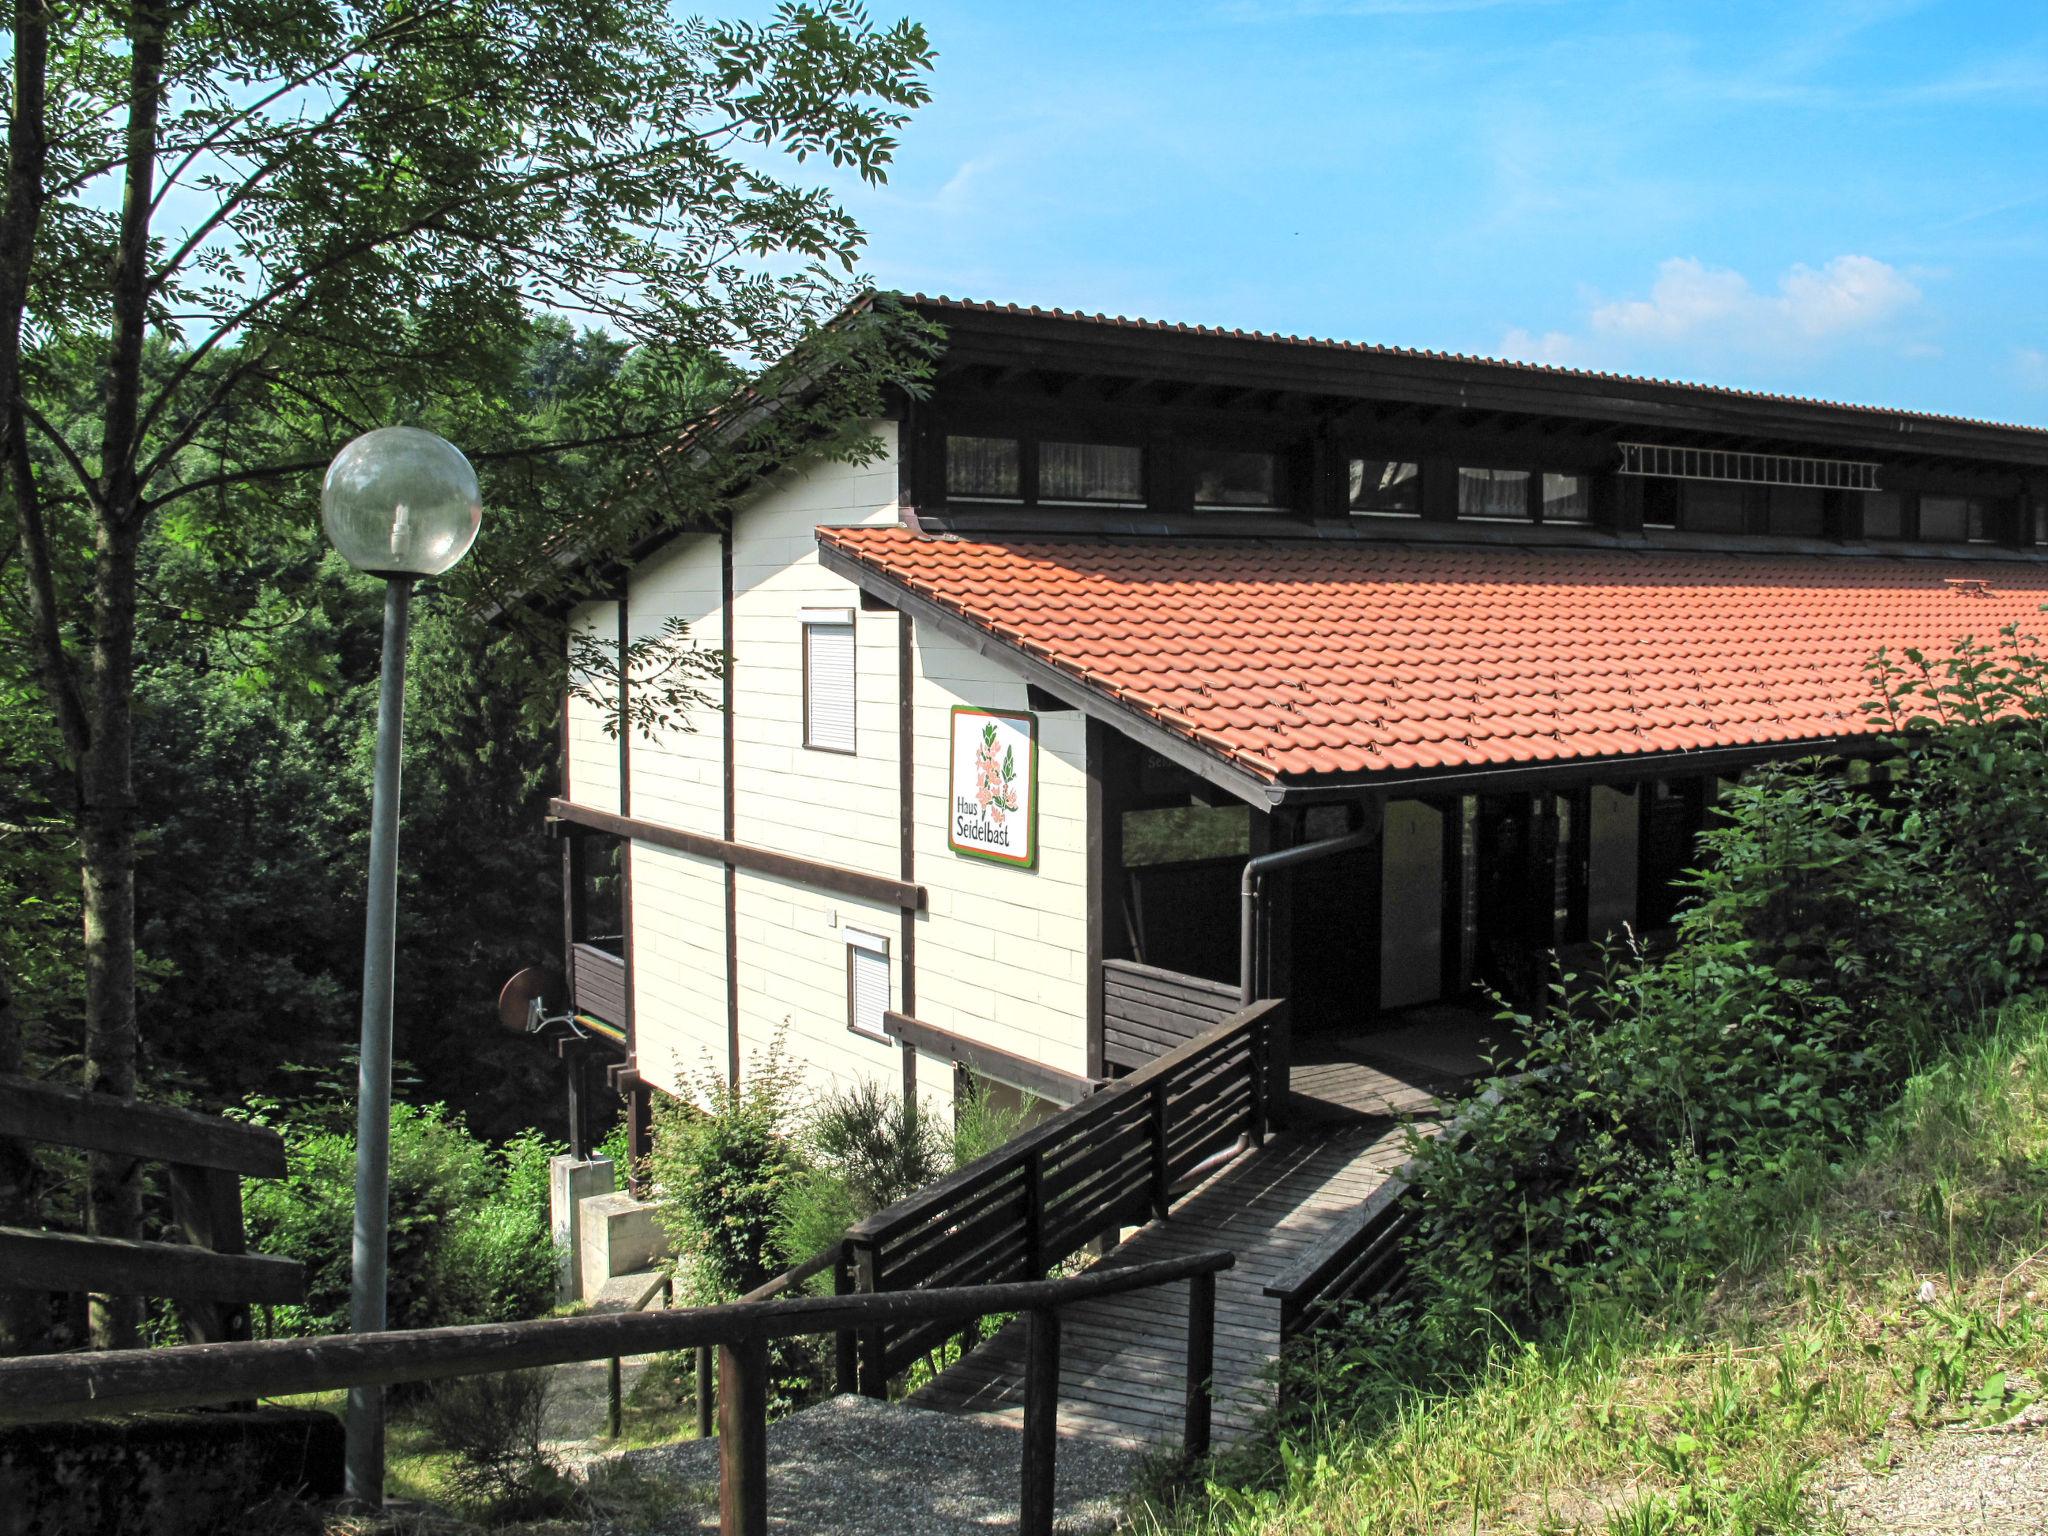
704	1393
614	1400
743	1438
1261	1044
845	1343
206	1208
1034	1216
1041	1420
873	1359
1162	1175
1201	1364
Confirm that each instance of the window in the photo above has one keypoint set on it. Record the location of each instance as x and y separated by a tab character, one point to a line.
1226	477
828	679
1386	487
985	466
1708	507
1567	498
1090	472
1884	515
1500	494
2038	522
1796	511
1954	519
1184	834
867	983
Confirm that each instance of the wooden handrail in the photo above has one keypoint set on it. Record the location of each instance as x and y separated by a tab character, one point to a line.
1097	1106
41	1388
37	1388
99	1122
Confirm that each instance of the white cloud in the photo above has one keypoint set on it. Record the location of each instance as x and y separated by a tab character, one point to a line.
1689	299
2031	364
1695	311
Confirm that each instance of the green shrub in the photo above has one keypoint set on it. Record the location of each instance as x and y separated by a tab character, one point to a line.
469	1238
493	1426
981	1124
721	1162
1836	931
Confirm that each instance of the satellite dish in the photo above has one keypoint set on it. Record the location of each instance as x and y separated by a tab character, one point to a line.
517	997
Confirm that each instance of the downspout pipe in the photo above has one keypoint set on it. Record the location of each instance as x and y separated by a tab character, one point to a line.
1251	888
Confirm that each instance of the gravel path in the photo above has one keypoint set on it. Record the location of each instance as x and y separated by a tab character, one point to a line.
854	1465
1986	1482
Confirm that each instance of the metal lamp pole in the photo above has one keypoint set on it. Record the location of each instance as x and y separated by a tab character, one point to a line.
401	504
368	1289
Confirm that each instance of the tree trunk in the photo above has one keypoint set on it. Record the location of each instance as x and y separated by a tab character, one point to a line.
107	826
107	780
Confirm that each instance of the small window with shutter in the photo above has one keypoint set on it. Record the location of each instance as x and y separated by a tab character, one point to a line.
867	983
828	679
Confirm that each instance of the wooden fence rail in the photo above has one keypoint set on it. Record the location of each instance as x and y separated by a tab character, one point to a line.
47	1387
210	1274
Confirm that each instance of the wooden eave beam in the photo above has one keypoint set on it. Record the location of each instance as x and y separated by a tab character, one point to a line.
1173	357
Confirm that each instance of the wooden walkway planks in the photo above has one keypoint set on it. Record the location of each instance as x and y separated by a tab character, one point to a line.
1121	1358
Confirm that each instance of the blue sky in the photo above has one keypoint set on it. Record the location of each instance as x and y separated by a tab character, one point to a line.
1844	199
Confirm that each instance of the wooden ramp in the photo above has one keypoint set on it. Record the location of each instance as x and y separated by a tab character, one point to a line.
1121	1358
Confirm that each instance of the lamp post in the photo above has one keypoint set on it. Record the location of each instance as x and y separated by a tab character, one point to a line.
398	503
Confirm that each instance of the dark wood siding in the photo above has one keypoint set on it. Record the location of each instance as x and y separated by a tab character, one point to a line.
1147	1012
598	983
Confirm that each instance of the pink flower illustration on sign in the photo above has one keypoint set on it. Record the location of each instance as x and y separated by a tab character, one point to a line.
995	787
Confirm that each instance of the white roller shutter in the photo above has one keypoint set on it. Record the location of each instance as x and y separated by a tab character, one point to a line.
828	684
867	959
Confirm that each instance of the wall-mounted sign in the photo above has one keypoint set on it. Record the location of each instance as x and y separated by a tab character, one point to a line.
992	792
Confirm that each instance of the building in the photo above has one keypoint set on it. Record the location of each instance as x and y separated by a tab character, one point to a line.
1019	720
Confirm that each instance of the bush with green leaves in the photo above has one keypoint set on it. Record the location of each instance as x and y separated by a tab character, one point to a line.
723	1156
1839	926
470	1239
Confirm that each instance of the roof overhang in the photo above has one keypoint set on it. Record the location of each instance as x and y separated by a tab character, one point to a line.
1266	793
1069	690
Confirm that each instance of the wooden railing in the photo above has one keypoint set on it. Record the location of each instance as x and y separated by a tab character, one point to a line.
1147	1012
1114	1159
210	1274
49	1387
1366	1261
1360	1263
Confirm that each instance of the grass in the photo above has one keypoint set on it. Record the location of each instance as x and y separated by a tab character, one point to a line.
1864	1305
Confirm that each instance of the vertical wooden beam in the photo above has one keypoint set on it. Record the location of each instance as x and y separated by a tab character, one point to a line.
1439	490
1162	1174
873	1363
1041	1421
729	792
614	1399
1034	1216
845	1343
1201	1364
906	827
206	1210
743	1438
1104	858
707	1392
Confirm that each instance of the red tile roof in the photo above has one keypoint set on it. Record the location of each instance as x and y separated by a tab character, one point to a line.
1505	365
1302	658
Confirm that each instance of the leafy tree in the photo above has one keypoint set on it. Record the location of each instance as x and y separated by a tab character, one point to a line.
235	235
